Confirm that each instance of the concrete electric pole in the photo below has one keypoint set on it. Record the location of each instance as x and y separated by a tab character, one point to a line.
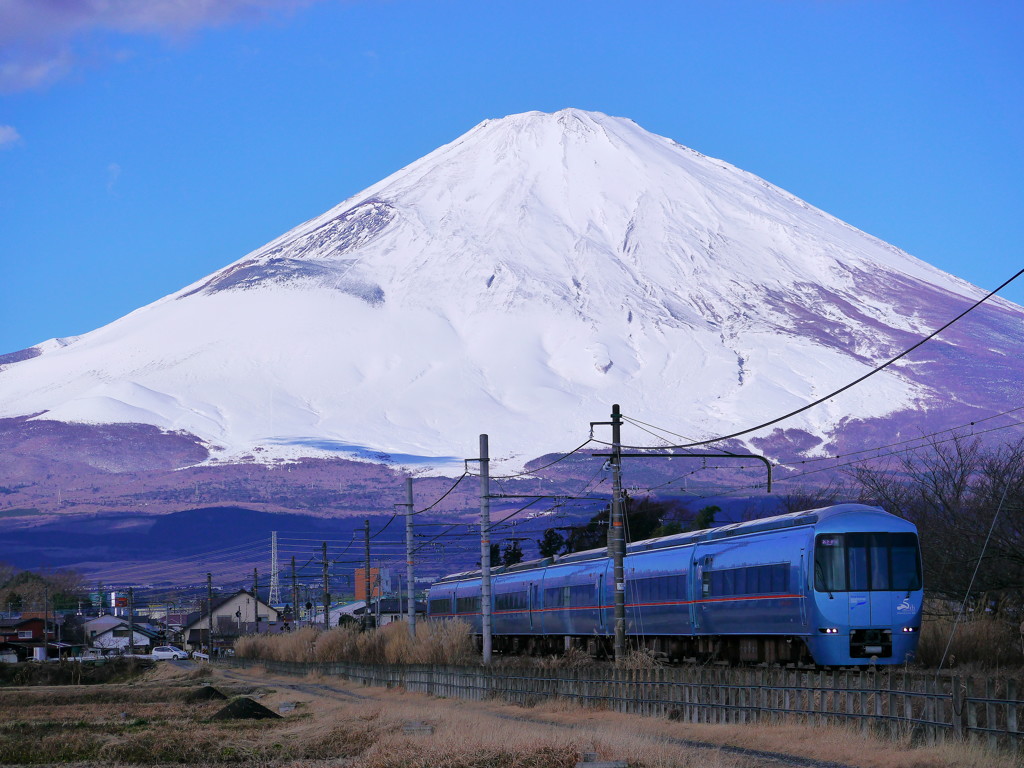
327	591
616	540
366	575
409	583
485	549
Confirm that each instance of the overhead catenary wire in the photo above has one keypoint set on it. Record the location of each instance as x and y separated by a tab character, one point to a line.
920	440
833	467
825	398
535	470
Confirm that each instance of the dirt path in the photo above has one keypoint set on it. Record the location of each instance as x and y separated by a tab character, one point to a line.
419	730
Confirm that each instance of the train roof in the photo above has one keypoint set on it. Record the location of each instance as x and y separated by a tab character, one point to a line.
729	530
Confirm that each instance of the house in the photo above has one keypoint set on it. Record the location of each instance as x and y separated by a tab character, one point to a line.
102	623
238	614
25	637
122	638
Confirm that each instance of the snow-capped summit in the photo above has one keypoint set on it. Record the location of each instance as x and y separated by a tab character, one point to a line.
516	282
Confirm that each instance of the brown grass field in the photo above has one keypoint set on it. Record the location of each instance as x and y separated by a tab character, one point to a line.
158	721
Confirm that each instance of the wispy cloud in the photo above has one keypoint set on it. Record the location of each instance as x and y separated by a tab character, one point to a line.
39	39
113	174
8	136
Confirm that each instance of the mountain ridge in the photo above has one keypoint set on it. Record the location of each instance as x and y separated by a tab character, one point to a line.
515	281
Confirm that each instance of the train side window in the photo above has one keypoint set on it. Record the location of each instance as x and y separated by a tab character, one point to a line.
467	604
440	605
729	582
705	587
780	578
717	583
553	597
581	595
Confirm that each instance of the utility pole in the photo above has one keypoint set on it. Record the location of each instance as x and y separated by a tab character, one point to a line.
616	541
485	550
256	599
209	613
131	620
618	571
295	595
46	614
408	559
327	591
366	575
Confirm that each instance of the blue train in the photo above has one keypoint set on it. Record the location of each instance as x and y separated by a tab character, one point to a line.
836	586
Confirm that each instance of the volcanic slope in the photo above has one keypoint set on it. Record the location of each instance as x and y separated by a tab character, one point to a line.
516	282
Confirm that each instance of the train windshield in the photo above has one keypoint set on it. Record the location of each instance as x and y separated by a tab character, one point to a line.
859	562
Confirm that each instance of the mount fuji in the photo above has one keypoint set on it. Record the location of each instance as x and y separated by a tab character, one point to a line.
514	282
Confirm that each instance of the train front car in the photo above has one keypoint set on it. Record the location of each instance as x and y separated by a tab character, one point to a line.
866	588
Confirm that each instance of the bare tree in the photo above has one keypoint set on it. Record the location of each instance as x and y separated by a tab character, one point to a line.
952	491
802	499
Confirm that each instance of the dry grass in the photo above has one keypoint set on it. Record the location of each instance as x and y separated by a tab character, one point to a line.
291	646
436	643
336	723
980	642
835	744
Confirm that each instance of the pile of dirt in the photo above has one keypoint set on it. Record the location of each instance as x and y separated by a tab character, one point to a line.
204	693
244	708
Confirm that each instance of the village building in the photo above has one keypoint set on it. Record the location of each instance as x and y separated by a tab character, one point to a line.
139	638
25	638
238	614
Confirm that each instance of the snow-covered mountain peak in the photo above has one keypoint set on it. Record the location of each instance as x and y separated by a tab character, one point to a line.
515	281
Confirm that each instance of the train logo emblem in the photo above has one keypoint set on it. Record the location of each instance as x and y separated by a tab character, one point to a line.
905	606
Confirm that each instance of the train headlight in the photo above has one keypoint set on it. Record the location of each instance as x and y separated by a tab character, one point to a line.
829	630
910	629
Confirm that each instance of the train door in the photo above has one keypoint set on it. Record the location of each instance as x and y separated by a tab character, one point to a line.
532	598
696	583
602	599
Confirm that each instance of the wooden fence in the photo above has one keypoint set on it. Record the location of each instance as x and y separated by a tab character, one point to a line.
894	702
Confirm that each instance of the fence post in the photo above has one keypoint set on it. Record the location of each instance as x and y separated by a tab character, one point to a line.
957	704
972	711
990	713
1011	710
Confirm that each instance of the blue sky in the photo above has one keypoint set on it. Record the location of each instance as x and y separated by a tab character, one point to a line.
147	143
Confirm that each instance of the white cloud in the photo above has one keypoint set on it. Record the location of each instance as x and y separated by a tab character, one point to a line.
8	136
38	37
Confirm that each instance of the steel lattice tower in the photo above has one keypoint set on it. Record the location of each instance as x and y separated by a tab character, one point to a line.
275	582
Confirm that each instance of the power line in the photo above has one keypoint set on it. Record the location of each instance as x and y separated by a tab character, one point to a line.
842	389
535	470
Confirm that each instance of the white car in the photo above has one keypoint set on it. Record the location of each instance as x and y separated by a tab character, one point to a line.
169	652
